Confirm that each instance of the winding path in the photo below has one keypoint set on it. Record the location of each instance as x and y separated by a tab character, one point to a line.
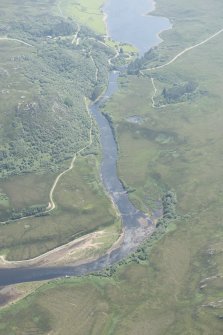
75	38
96	68
60	10
171	62
16	40
52	204
184	51
154	95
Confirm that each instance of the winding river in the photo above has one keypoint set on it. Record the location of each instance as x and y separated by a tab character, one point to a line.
131	25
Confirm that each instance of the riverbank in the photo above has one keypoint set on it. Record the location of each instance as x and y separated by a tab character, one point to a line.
84	249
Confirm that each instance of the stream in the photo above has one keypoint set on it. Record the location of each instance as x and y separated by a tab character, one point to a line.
143	33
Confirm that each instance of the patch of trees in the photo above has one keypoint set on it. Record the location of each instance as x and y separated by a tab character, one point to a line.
96	92
111	124
139	255
51	123
140	63
43	26
68	102
169	201
177	92
127	188
135	66
62	28
30	211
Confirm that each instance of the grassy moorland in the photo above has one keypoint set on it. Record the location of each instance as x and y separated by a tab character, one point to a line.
179	289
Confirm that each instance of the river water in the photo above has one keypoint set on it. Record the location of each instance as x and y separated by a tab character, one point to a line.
136	225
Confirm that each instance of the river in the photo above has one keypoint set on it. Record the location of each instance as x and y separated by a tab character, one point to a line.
136	225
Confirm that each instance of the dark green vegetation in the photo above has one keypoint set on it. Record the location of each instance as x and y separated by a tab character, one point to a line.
43	89
179	93
178	289
139	64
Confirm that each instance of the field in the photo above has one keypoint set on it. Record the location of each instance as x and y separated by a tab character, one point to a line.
82	207
87	12
178	290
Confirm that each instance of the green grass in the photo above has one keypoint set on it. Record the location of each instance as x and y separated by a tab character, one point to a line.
86	12
4	200
127	48
82	207
25	191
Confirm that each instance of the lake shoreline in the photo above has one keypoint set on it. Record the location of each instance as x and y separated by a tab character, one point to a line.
146	14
